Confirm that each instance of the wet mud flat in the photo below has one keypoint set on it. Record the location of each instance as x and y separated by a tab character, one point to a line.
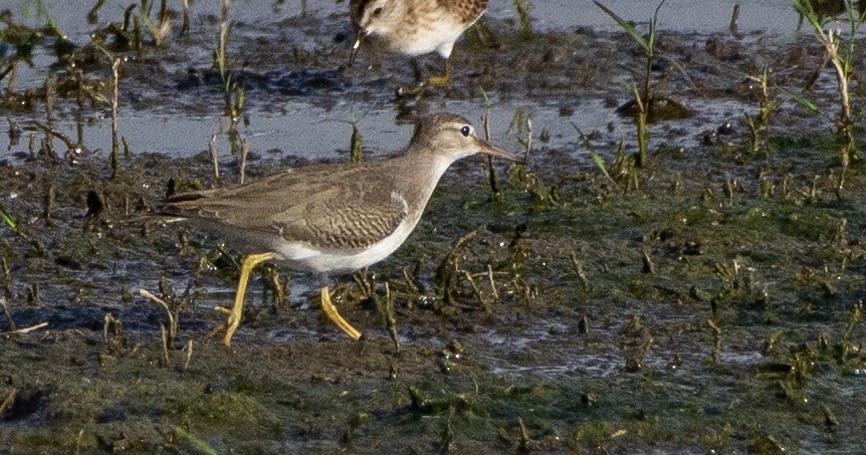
708	301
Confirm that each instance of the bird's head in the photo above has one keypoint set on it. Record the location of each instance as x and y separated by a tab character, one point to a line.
453	137
379	17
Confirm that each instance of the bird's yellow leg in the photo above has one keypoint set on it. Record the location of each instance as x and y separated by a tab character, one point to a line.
331	311
438	81
433	81
234	318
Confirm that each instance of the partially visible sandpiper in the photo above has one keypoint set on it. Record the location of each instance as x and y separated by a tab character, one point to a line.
417	27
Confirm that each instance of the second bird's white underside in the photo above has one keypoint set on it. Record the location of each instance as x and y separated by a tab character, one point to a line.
439	36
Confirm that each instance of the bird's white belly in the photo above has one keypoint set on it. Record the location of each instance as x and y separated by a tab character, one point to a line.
305	257
439	36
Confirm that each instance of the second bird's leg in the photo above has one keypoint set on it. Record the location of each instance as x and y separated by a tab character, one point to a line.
432	81
331	311
237	310
444	78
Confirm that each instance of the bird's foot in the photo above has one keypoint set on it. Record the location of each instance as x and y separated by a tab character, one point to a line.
416	92
332	313
438	81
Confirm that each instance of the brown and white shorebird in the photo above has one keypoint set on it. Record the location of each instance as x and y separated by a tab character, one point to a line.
332	217
417	27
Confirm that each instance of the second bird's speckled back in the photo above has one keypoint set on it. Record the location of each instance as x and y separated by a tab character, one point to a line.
416	27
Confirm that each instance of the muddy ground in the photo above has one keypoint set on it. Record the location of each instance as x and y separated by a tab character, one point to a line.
708	302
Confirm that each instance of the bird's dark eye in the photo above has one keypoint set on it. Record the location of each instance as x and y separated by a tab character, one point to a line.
465	131
377	12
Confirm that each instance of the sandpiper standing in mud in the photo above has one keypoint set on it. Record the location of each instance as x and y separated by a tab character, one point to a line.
417	27
336	217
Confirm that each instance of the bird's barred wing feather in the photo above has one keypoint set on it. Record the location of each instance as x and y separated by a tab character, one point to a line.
313	204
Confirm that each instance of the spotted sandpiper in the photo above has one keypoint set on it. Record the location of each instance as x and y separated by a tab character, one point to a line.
417	27
332	217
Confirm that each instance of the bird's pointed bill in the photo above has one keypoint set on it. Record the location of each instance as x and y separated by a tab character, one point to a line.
489	149
355	49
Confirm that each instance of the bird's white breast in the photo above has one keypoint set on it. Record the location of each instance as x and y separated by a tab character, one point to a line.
436	35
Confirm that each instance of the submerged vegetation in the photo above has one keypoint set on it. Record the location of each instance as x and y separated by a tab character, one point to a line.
702	294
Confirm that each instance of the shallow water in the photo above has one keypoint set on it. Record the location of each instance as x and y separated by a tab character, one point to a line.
312	125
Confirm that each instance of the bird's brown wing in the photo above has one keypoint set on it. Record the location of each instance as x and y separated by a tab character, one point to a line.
328	206
467	10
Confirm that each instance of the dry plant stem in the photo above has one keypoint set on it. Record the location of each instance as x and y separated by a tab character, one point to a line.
832	47
469	236
760	121
212	148
162	12
642	130
188	354
24	330
50	91
735	15
78	442
491	172
717	341
184	29
846	125
115	146
11	71
492	282
581	275
223	38
356	149
7	276
127	151
108	320
475	290
171	323
245	151
842	62
523	7
390	319
7	403
648	266
644	102
50	131
12	327
524	436
164	344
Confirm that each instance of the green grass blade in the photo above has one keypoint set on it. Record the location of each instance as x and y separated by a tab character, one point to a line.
627	27
198	443
804	7
805	102
7	218
652	31
596	158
